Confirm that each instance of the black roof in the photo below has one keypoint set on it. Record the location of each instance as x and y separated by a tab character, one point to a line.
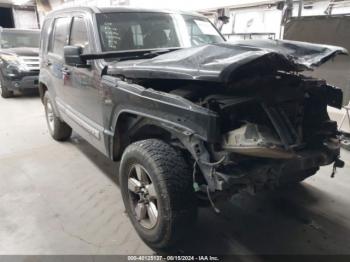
117	10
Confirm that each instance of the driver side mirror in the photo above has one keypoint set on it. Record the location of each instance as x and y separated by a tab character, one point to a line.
72	56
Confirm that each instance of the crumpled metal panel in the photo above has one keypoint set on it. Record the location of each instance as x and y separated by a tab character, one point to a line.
255	140
302	53
226	62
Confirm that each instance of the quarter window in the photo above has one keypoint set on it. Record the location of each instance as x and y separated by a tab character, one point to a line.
79	34
60	35
45	36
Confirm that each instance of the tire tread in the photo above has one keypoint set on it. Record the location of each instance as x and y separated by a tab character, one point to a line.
62	131
175	179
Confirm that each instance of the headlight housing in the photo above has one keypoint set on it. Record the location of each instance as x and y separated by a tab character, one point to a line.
11	70
9	58
14	64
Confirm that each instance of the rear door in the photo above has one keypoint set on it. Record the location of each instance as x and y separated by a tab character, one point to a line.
54	62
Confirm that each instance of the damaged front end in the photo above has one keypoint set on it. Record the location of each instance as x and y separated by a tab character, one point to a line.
287	136
271	122
272	134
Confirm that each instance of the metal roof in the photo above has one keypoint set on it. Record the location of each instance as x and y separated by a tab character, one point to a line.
97	10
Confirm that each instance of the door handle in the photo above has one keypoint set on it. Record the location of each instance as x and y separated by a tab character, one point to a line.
65	71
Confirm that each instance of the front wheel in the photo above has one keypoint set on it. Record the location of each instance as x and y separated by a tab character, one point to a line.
157	191
5	93
58	129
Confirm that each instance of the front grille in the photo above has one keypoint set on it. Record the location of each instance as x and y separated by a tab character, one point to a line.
31	62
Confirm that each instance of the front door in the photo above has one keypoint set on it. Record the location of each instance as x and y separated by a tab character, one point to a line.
81	87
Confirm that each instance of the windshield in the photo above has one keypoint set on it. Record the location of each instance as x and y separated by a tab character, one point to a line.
147	30
12	39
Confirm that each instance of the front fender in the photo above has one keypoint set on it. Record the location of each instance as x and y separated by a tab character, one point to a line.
168	110
191	124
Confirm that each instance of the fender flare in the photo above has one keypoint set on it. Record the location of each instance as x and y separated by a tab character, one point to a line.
177	130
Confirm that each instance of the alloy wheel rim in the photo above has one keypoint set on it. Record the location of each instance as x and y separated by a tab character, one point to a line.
143	197
50	116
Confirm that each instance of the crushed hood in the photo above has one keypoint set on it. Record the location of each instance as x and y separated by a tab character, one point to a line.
226	62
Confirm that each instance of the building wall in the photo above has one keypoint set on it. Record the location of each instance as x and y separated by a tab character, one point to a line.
13	16
253	20
25	18
266	19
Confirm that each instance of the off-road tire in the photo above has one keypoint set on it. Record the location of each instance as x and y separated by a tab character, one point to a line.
58	129
172	180
5	93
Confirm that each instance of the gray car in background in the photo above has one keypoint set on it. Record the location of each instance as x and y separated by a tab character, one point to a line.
19	60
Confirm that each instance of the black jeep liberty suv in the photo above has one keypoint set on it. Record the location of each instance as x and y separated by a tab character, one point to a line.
192	118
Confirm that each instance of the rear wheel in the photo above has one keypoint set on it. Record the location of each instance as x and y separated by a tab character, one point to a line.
5	93
58	129
157	190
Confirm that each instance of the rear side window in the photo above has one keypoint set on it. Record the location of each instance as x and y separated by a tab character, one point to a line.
60	35
45	33
79	34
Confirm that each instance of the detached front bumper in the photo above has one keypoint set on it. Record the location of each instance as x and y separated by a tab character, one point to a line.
259	174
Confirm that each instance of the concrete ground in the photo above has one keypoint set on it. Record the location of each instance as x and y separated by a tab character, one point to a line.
62	198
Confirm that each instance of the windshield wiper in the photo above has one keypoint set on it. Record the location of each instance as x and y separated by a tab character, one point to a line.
129	54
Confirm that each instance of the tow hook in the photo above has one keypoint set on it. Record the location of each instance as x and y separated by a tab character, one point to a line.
337	163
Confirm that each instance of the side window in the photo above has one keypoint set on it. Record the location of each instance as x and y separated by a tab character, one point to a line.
79	34
45	34
60	35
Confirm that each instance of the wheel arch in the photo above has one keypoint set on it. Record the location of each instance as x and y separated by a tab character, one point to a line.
42	90
132	126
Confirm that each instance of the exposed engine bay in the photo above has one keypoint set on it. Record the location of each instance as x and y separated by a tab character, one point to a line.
269	125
